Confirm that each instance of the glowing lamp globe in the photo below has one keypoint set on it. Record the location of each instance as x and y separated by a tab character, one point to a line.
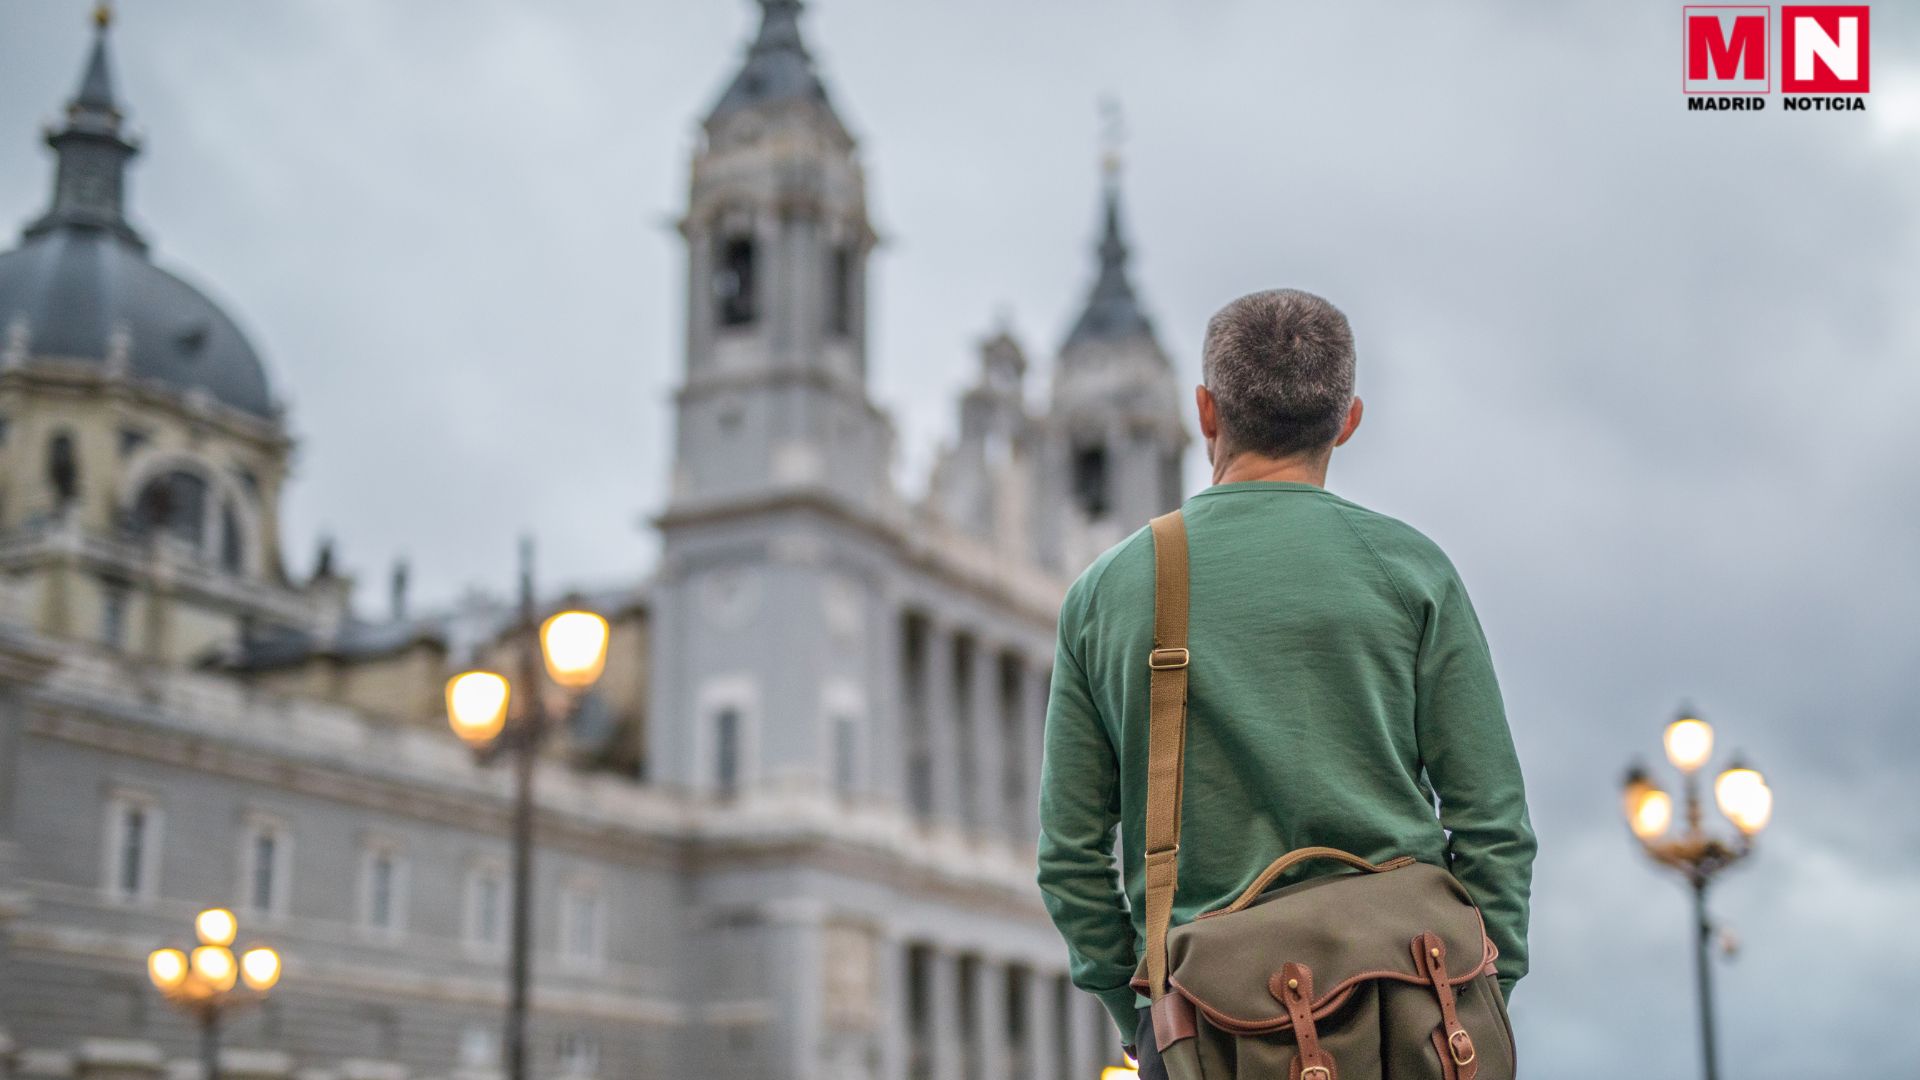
1744	798
214	966
167	968
575	646
1689	742
477	705
216	926
1653	815
260	968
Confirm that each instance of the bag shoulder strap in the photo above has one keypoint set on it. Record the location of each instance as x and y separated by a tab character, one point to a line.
1166	736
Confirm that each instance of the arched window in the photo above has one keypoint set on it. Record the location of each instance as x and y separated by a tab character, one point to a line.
174	502
1090	480
232	552
63	468
733	281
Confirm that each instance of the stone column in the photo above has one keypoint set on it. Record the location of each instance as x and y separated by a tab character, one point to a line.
989	755
989	1053
1088	1031
943	1001
893	1030
943	726
1043	1027
1035	677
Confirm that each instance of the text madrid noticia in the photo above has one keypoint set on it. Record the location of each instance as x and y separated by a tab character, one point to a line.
1729	53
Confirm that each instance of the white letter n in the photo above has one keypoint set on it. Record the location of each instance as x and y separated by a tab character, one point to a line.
1810	40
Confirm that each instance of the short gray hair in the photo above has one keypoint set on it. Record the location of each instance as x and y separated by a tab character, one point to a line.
1280	367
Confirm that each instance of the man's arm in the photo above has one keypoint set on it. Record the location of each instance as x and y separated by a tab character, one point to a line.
1469	757
1079	814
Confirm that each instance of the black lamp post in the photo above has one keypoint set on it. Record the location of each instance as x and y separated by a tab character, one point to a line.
495	721
1697	855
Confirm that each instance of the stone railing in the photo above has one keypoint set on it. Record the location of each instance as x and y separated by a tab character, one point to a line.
136	1059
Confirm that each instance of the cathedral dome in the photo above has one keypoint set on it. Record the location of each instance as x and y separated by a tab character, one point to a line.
81	287
88	296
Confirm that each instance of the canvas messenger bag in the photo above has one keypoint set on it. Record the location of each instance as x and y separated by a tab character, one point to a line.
1381	971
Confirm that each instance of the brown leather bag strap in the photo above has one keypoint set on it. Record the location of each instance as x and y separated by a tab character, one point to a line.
1294	985
1166	737
1450	1040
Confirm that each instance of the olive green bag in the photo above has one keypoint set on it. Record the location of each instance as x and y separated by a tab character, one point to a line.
1386	972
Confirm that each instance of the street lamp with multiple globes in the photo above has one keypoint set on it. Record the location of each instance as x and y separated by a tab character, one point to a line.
210	980
490	717
1743	797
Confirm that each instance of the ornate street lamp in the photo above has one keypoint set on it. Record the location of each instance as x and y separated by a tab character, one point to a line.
1745	800
489	716
210	980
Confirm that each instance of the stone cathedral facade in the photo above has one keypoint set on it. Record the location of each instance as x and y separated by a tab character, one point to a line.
790	835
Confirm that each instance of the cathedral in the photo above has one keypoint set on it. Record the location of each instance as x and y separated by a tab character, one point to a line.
789	835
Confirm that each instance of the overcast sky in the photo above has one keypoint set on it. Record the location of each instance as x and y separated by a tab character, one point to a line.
1651	377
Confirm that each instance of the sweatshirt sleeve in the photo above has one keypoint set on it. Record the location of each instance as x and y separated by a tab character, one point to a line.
1468	753
1079	819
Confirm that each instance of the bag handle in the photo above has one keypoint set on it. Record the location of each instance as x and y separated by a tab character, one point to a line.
1294	858
1166	737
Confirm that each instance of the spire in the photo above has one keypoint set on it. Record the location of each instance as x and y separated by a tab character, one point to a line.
90	178
96	86
778	66
1113	311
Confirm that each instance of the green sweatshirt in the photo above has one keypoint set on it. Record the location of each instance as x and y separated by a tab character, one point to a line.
1339	686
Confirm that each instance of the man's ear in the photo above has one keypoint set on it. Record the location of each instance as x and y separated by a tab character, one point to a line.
1209	419
1353	421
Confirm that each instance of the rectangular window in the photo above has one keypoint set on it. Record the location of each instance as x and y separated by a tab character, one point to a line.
846	755
579	1055
265	861
383	890
840	302
132	848
581	926
486	908
726	752
733	281
265	845
113	614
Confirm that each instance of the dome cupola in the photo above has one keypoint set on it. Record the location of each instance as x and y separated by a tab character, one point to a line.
81	288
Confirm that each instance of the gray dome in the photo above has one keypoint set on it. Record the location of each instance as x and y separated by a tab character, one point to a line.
81	275
70	289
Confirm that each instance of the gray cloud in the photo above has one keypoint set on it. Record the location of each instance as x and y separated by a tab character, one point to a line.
1649	376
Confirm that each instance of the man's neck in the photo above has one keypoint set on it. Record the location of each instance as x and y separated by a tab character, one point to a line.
1299	469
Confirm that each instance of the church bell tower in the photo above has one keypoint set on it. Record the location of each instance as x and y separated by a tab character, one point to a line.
774	399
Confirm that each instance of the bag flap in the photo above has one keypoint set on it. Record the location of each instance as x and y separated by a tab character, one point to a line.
1346	928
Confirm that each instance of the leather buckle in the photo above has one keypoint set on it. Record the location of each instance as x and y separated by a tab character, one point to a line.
1323	1072
1453	1047
1168	659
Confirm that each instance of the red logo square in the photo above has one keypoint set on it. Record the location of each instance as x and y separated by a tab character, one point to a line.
1823	49
1725	49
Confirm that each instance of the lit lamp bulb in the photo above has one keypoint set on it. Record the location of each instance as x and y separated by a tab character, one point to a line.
213	965
260	968
477	705
1744	798
575	645
167	968
216	926
1689	742
1651	814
